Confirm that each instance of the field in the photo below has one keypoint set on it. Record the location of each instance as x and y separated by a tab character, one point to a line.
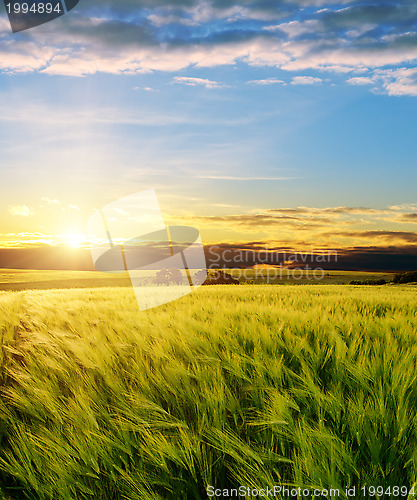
14	279
308	386
297	277
22	279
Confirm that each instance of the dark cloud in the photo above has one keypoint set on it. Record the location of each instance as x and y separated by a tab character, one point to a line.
47	257
408	218
395	258
387	13
265	220
330	210
395	236
364	258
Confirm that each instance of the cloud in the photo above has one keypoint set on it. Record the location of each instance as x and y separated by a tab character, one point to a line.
266	219
401	82
389	236
146	89
25	239
378	40
296	28
354	232
404	206
44	256
21	210
267	81
244	254
193	82
329	210
407	218
326	226
306	80
355	258
361	80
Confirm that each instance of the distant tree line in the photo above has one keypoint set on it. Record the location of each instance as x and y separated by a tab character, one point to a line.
221	277
368	282
402	278
410	277
176	277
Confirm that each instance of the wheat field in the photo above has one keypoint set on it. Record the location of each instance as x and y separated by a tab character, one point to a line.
306	386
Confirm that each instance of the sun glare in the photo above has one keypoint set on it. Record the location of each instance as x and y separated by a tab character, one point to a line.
75	240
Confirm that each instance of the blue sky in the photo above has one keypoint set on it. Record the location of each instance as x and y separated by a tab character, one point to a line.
229	109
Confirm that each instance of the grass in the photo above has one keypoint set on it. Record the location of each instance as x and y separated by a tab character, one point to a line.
311	386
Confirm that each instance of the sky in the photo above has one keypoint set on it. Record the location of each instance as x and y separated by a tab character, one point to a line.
288	123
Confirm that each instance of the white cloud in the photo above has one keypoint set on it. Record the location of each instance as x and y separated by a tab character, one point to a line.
193	82
204	12
21	210
296	28
404	82
305	80
361	80
146	89
404	207
267	81
310	55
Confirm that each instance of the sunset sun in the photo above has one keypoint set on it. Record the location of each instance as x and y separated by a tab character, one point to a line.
75	240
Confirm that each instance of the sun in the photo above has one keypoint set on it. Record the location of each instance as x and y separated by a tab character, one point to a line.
75	240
